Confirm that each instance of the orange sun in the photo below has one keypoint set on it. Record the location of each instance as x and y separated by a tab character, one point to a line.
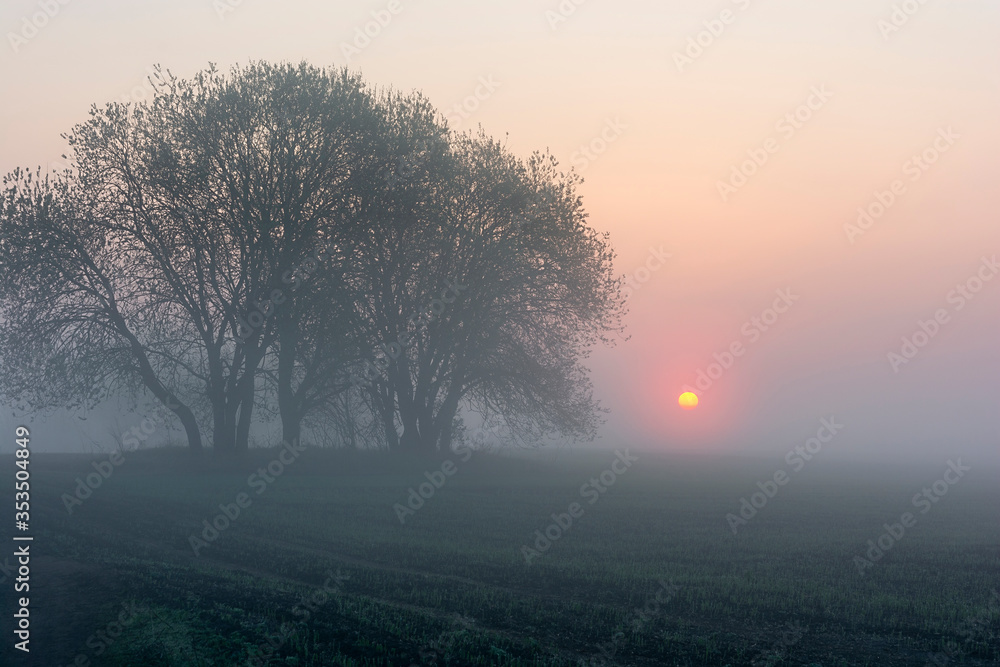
688	400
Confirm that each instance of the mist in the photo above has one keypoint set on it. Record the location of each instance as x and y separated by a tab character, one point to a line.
463	260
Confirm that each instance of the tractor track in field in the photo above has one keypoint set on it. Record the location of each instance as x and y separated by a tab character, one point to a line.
161	550
152	529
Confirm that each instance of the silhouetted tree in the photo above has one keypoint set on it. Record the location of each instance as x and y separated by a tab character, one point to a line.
218	189
482	287
540	292
80	317
274	233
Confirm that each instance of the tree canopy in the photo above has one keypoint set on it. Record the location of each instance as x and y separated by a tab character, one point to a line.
286	239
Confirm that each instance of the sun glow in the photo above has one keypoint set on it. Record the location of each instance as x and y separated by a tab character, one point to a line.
688	400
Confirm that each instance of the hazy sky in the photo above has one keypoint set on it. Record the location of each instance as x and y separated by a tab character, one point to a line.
830	103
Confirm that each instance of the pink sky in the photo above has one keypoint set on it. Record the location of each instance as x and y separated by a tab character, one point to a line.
670	134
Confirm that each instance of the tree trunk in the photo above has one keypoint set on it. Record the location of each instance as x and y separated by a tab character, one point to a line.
190	425
291	429
223	435
445	421
288	403
242	442
183	413
245	393
389	426
409	411
411	441
160	391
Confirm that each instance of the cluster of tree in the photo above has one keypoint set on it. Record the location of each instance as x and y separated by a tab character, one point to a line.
287	240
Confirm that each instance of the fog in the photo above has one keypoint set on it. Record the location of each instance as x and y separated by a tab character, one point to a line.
614	92
524	332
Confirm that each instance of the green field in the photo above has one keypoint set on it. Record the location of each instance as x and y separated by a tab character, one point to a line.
649	574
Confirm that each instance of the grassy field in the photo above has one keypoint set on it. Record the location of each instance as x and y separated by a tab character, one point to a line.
318	569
